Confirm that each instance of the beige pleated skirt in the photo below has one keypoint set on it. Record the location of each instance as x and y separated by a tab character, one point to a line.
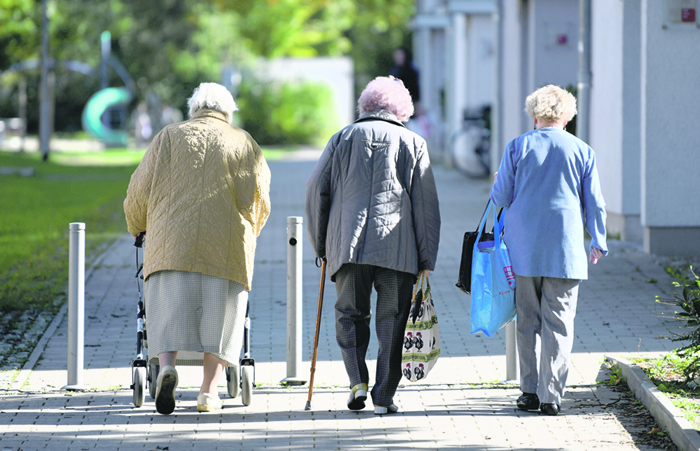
194	313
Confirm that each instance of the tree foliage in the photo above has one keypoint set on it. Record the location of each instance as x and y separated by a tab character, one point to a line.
169	46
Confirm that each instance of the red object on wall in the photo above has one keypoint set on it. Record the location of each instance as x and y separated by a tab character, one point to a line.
562	39
688	14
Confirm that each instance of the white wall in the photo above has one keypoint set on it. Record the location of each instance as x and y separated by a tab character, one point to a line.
336	73
615	120
512	97
670	135
606	118
549	60
480	55
631	108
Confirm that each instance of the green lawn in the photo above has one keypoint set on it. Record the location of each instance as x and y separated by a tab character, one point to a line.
35	213
34	222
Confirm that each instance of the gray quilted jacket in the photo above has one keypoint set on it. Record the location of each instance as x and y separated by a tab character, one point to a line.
371	199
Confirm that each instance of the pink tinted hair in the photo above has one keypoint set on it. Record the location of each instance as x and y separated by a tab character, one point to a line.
386	93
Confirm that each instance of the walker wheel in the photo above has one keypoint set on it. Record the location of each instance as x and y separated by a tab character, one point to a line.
247	376
153	371
139	385
233	380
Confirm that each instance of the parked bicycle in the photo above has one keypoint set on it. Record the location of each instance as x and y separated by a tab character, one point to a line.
473	158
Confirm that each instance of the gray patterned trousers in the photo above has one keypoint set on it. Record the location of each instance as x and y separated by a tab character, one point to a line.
352	317
546	307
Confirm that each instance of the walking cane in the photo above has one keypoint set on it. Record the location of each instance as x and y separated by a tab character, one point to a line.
316	334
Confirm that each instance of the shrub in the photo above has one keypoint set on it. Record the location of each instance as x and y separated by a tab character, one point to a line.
689	302
283	113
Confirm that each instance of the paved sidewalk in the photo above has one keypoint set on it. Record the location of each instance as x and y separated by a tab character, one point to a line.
459	406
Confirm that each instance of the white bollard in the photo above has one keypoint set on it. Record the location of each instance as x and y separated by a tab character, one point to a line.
512	366
294	300
76	306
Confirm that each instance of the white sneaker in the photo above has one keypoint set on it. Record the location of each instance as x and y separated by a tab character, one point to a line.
206	402
165	394
383	410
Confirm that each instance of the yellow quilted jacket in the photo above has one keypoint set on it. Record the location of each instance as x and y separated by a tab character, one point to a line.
202	191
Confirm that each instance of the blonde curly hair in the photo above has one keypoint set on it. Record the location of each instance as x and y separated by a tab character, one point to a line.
551	104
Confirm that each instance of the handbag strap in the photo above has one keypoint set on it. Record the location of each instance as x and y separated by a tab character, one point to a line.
418	282
498	225
482	224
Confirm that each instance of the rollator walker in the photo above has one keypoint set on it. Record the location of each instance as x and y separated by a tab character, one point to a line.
144	368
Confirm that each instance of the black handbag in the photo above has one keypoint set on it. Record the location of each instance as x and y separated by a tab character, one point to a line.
464	280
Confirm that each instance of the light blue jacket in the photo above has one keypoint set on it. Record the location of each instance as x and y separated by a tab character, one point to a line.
549	183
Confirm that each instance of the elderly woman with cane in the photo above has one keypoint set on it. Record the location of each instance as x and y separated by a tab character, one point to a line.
549	184
372	212
202	192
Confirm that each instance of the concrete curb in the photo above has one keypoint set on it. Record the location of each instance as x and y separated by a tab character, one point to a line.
661	408
23	375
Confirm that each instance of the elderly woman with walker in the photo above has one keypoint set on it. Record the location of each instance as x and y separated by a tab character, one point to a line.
548	181
372	211
202	192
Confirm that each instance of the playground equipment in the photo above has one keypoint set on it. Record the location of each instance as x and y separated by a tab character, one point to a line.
106	113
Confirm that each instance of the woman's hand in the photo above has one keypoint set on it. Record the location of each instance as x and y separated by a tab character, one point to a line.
426	272
595	255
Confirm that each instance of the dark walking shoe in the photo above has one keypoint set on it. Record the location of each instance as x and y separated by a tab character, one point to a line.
358	396
528	401
550	409
165	396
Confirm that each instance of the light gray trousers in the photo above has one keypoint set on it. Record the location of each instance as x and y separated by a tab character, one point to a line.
546	308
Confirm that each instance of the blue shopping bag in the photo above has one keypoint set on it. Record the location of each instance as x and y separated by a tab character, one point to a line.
493	282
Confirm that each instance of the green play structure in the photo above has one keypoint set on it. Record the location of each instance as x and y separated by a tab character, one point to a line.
105	110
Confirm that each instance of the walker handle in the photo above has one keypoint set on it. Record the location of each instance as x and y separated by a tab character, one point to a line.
139	239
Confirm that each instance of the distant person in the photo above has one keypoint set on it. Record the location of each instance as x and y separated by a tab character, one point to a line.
202	192
372	211
548	181
404	70
144	130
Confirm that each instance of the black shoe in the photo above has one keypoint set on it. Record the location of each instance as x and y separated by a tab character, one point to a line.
549	409
528	401
165	395
358	396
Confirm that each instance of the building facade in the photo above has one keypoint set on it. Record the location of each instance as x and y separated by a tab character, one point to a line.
644	94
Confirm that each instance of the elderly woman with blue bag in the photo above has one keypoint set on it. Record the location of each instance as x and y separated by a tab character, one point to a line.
549	184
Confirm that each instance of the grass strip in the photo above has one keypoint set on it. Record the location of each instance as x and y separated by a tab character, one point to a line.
34	222
667	374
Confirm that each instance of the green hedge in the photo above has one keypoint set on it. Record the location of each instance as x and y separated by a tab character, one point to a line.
284	113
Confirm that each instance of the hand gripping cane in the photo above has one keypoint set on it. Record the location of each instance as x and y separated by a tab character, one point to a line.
316	334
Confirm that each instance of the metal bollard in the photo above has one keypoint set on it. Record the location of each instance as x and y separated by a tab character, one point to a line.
76	306
512	366
294	300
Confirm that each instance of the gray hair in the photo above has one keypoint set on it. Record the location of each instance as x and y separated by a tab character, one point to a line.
212	96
